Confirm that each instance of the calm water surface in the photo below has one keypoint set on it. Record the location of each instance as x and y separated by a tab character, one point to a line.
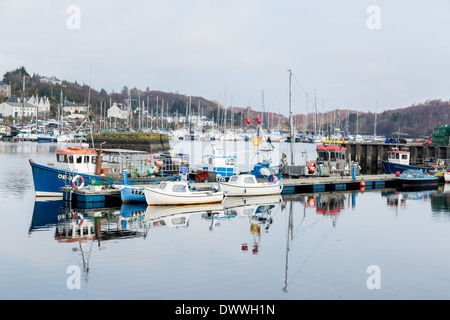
362	245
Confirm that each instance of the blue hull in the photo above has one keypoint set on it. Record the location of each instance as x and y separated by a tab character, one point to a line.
129	194
392	168
48	181
46	139
417	184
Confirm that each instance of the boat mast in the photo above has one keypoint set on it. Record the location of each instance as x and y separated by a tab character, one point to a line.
23	101
291	119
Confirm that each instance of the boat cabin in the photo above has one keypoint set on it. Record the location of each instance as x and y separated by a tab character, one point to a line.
395	155
223	165
178	186
83	160
331	153
333	156
243	179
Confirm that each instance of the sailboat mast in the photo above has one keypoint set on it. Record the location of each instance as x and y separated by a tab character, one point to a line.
291	119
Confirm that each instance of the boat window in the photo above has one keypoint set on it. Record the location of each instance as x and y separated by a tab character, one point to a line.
233	178
79	159
323	156
86	159
162	185
210	160
332	158
179	221
249	180
70	159
94	159
248	211
397	156
179	188
404	157
61	158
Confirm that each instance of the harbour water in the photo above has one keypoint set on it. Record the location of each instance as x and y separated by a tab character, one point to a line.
370	245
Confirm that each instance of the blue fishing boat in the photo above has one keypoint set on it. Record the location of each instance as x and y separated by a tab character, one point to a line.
416	180
75	167
398	160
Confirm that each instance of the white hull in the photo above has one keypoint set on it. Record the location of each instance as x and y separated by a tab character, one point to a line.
260	189
155	196
49	194
447	177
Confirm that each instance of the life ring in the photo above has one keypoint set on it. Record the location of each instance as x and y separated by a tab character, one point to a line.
312	166
312	202
75	179
81	221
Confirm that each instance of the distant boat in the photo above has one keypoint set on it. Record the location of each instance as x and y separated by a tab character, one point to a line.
416	180
180	192
247	185
27	135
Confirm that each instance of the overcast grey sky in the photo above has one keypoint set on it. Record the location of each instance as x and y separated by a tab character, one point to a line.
345	52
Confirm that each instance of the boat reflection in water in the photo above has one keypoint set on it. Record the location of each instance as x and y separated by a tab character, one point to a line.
260	212
440	202
400	199
74	224
178	216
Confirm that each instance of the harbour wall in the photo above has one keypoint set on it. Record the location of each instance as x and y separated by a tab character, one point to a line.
370	156
140	141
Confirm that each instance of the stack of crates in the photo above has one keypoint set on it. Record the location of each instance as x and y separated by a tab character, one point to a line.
441	135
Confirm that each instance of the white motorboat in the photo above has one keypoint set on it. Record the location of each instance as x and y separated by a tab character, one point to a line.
247	185
180	192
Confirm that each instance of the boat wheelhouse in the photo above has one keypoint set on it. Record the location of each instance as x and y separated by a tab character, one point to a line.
398	160
221	165
332	159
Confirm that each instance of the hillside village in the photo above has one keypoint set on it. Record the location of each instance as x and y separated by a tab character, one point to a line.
135	109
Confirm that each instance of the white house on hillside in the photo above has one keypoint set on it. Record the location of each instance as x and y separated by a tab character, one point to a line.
119	111
15	109
42	103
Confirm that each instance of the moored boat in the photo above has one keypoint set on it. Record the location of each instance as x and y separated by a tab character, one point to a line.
180	192
247	185
416	180
398	160
110	166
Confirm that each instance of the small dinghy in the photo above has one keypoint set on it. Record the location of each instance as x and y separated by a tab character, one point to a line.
247	185
416	180
181	192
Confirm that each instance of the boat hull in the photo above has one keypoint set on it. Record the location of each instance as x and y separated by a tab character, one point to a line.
392	168
447	177
48	181
261	189
132	194
154	196
419	184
